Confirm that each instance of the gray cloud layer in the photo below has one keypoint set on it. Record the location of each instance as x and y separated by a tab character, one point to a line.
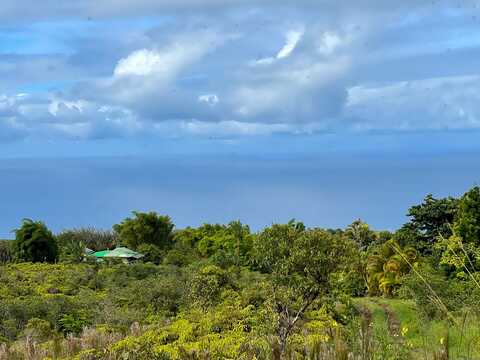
237	68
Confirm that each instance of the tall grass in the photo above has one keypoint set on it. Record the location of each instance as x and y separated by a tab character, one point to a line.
462	330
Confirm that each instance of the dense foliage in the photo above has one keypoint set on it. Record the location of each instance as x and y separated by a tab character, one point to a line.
35	243
224	292
148	232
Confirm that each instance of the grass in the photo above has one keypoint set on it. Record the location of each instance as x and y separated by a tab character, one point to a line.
379	318
425	337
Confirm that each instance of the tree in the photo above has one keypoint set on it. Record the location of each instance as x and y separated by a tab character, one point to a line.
361	234
152	253
460	251
459	257
207	284
387	266
146	228
71	246
429	220
95	239
302	264
5	251
35	243
467	221
226	244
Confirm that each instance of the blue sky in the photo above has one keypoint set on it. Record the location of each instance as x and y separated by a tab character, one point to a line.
327	88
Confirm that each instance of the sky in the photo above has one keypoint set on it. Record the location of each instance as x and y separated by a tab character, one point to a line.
214	110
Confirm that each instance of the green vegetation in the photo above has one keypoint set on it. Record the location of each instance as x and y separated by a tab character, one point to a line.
223	292
35	243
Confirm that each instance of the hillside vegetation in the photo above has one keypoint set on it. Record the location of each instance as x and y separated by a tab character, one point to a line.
223	292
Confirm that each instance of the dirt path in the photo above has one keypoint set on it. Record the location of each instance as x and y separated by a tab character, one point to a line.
393	324
366	332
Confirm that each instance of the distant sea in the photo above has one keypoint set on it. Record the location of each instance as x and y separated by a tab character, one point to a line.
327	191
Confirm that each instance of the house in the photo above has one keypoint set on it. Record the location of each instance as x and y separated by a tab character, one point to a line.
123	253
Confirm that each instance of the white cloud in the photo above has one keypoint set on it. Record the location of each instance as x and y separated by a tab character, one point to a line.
143	62
168	61
56	106
231	128
210	99
148	75
299	92
292	38
329	43
189	75
436	104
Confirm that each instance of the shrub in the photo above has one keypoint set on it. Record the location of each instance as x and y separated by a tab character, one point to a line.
152	253
39	330
35	243
73	323
5	251
146	228
91	238
207	284
437	296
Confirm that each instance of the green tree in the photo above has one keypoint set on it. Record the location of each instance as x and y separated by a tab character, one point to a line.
152	253
226	244
71	246
459	257
146	228
429	220
467	221
94	239
207	284
35	243
302	264
387	266
361	234
5	251
460	250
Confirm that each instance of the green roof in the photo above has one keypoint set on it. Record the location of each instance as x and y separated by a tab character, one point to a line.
123	252
100	254
120	252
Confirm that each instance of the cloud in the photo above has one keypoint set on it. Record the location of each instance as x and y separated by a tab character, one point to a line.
167	62
231	129
24	115
301	91
28	10
329	43
147	80
210	99
236	68
429	104
293	37
291	41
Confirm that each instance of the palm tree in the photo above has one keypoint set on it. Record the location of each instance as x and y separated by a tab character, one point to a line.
387	266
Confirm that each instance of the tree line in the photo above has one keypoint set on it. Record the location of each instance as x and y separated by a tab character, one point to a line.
433	259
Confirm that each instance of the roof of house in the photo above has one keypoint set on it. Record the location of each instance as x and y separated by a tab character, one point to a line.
120	252
100	254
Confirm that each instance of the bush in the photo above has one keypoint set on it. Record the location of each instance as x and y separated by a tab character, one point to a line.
207	284
39	330
437	296
91	238
152	253
5	251
73	323
146	228
35	243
